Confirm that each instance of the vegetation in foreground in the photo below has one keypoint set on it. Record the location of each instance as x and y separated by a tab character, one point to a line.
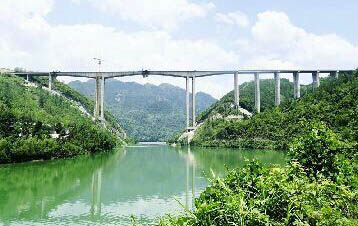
35	124
319	186
333	103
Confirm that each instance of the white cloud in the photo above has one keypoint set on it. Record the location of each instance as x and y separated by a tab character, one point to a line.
159	14
276	38
28	40
234	18
31	42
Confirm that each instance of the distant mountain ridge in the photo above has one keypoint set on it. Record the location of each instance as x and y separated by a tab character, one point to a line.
147	112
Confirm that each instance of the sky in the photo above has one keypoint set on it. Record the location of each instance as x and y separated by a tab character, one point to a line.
65	35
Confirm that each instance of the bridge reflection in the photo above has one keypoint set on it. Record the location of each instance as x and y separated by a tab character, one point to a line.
96	194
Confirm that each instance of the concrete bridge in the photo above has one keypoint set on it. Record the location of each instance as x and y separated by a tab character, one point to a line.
100	78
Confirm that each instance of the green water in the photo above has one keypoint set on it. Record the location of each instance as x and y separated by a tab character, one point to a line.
106	189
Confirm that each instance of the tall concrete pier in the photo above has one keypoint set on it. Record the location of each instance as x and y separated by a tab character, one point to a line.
296	84
277	88
193	101
190	125
257	92
333	74
102	97
315	79
50	81
99	97
236	90
187	103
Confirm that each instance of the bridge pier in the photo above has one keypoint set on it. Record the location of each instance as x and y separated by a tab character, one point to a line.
97	98
193	101
236	90
102	97
315	79
257	92
28	78
277	88
51	80
333	74
296	84
187	103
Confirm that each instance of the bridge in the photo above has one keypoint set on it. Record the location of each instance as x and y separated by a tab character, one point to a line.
100	78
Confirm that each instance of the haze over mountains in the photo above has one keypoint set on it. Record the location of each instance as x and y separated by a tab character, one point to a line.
147	112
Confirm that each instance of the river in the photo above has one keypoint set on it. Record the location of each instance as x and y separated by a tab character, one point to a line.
144	182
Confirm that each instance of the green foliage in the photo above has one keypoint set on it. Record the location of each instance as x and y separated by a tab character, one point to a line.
37	125
309	190
334	103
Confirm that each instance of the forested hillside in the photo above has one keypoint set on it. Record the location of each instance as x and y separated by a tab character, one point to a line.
225	105
147	112
334	103
36	123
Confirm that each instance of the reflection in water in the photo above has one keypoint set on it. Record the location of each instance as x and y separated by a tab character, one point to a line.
193	181
107	189
96	193
190	162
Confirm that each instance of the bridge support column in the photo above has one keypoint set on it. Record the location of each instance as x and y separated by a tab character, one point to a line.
97	98
257	92
29	78
187	103
296	85
277	88
51	80
315	79
193	101
333	74
102	98
236	90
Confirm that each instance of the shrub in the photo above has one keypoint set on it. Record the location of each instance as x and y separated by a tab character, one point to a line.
317	187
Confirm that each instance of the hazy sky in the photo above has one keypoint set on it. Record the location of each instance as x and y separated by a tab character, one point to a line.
179	35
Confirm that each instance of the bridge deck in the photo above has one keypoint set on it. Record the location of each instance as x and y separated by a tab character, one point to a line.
181	74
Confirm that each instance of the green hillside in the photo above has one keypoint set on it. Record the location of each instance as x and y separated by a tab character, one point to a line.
333	103
225	106
147	112
36	124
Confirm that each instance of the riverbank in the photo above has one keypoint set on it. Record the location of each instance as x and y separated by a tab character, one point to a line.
39	124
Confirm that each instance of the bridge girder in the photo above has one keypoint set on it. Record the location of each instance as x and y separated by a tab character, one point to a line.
179	74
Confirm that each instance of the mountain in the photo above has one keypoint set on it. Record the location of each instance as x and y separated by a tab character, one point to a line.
36	123
334	103
146	112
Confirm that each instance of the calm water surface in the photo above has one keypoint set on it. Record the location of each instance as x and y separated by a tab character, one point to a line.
145	181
